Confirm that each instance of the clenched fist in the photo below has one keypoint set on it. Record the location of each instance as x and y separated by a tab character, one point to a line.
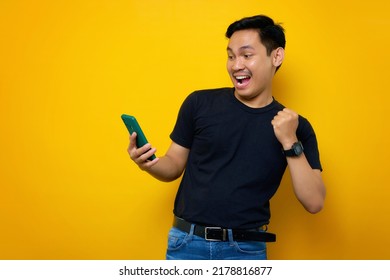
285	125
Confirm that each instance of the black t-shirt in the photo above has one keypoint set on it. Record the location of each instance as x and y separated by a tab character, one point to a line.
235	163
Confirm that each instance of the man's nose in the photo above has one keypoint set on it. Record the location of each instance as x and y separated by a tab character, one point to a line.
238	64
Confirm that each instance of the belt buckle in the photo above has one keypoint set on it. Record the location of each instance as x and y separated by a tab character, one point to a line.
206	231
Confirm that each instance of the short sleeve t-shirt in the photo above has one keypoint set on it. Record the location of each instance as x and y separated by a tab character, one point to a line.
235	163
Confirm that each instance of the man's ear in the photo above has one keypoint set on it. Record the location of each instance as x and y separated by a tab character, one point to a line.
277	56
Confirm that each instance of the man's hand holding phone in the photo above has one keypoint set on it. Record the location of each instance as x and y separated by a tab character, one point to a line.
169	167
141	156
139	149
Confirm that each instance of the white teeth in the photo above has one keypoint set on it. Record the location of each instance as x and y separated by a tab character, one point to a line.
241	77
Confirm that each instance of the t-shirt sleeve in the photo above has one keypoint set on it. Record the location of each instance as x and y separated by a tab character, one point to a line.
308	138
183	131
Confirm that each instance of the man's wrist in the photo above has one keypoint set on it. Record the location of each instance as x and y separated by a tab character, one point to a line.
288	144
295	151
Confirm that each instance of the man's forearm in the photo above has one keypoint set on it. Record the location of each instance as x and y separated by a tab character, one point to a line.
307	182
165	170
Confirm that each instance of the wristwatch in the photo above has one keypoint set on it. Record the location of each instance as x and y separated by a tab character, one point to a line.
295	151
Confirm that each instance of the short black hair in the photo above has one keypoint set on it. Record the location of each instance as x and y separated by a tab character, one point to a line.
271	34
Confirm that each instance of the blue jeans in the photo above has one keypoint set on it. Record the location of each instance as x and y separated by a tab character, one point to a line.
187	246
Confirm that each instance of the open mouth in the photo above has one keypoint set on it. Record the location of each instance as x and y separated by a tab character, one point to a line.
242	80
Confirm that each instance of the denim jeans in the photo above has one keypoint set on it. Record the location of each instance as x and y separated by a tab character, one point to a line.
187	246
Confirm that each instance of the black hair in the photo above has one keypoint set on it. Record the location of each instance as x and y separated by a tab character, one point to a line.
271	34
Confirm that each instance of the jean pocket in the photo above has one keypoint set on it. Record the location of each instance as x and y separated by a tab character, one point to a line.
176	239
251	247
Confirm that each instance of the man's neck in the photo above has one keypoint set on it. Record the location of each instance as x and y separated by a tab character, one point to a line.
259	101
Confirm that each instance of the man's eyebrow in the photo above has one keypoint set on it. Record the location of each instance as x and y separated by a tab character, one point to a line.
241	48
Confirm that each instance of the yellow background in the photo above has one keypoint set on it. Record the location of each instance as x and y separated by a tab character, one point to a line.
69	69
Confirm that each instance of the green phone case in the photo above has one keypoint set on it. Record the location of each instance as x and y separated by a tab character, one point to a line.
133	126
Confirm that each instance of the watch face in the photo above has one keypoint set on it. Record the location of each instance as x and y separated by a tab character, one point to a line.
298	149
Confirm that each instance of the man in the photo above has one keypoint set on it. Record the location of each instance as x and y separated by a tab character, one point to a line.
233	145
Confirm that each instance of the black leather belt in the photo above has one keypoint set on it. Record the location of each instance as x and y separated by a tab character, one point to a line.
221	234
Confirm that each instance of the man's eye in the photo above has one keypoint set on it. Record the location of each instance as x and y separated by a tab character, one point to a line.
247	55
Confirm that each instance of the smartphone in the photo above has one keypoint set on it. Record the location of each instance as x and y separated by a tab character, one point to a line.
133	126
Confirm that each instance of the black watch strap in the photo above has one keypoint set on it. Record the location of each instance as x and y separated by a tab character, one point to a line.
296	150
